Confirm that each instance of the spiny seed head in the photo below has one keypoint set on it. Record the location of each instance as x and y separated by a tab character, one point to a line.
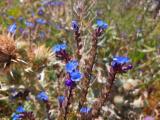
7	49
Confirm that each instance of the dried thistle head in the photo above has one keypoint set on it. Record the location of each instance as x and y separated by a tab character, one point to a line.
8	52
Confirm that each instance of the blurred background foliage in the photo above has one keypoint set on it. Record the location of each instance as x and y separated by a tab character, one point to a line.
134	31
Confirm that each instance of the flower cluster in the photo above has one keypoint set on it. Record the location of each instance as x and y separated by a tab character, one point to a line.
18	114
71	65
72	71
42	96
101	24
121	64
74	74
59	48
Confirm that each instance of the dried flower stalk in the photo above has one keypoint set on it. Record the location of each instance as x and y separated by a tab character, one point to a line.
79	43
105	92
89	65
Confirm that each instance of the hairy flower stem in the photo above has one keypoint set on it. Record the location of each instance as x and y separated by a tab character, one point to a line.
30	39
28	116
68	102
48	109
65	56
79	43
89	66
105	92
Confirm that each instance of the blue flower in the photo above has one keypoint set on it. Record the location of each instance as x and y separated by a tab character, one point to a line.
42	34
101	24
42	96
121	64
59	47
40	21
12	28
76	76
61	99
63	46
20	18
69	83
16	116
20	109
40	11
11	17
56	48
85	110
75	25
29	24
120	60
71	66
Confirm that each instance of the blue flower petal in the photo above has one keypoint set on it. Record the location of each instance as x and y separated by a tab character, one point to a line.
59	47
71	65
76	76
101	24
16	116
12	28
42	96
121	60
61	99
105	25
75	25
40	11
85	110
20	109
69	83
29	24
56	48
40	21
63	46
